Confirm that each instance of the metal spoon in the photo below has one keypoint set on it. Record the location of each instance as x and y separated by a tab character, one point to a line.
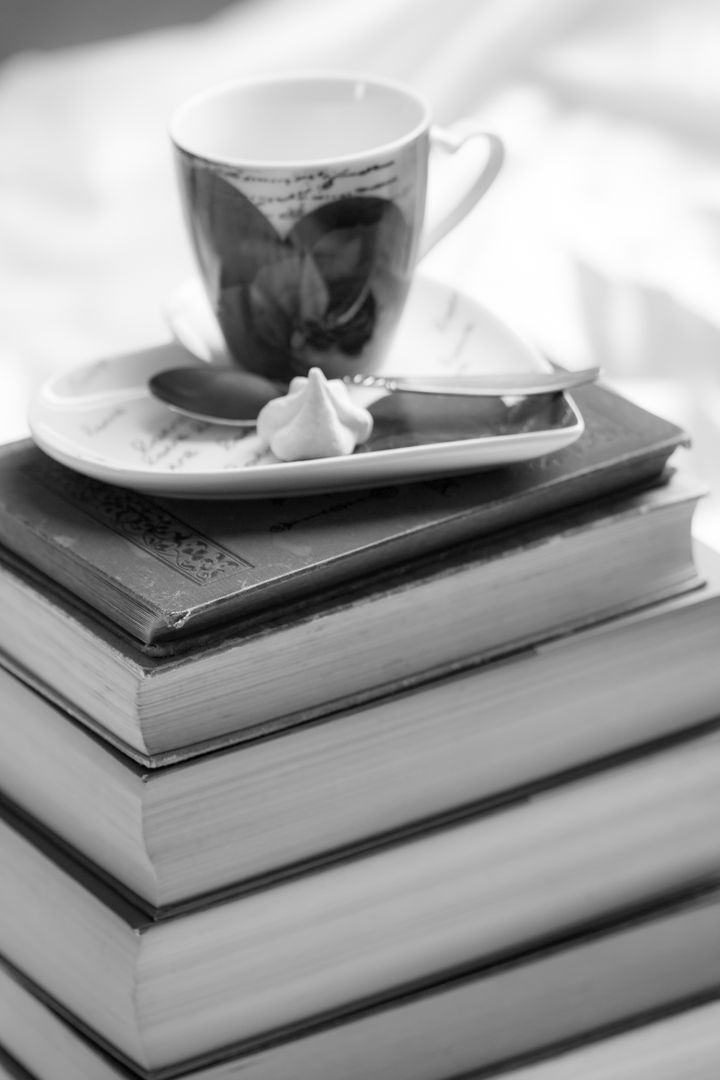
228	395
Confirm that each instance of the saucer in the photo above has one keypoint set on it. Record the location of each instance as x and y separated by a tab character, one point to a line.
100	418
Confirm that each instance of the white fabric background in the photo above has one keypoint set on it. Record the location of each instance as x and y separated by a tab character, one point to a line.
601	239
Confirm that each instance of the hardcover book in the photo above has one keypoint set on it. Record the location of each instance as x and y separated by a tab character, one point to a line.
469	740
167	990
451	609
165	570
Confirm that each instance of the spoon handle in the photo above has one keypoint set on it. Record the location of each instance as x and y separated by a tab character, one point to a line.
508	384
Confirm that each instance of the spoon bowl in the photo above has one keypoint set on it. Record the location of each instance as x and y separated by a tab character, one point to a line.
218	395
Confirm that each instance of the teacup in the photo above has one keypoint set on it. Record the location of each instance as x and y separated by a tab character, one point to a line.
305	199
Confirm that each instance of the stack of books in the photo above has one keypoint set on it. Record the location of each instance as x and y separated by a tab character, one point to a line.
411	782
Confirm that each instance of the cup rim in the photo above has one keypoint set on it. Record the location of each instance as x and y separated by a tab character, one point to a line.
300	76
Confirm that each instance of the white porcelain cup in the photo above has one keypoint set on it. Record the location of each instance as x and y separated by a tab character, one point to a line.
305	199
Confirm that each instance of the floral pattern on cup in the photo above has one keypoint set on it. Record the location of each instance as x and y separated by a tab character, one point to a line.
327	293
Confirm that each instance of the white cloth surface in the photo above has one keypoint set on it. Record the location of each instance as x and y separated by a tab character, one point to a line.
600	240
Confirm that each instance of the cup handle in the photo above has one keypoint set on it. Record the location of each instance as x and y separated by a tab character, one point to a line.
450	140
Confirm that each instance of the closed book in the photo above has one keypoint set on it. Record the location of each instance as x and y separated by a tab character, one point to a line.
634	999
380	770
166	570
176	986
471	601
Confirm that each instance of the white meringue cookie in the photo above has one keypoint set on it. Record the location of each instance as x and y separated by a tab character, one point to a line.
315	419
